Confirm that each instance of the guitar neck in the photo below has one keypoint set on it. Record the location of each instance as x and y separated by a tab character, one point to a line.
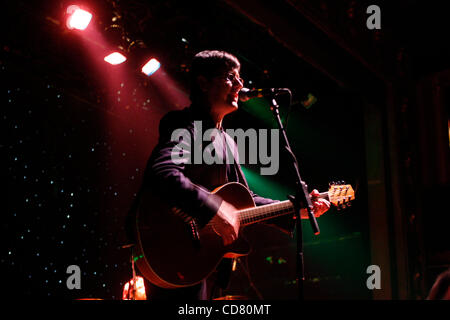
269	211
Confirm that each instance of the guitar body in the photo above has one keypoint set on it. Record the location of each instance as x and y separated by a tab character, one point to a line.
172	253
167	252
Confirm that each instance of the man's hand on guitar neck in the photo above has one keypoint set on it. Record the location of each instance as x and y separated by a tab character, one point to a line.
320	205
226	223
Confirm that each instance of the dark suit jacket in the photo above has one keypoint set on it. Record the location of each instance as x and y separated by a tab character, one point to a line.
185	184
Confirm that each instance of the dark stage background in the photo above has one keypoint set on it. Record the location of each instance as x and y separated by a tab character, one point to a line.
77	133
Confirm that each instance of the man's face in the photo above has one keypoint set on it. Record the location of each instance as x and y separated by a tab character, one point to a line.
223	92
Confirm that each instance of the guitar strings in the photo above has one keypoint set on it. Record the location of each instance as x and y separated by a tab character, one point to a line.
279	208
246	215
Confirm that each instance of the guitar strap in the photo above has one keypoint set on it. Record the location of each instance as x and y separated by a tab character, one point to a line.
229	153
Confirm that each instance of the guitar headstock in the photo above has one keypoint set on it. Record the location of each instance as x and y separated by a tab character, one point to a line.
340	194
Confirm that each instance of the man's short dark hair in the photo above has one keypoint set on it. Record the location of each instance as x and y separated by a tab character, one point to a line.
210	64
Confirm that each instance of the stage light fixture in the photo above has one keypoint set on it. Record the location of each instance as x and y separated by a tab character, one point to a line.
78	18
115	58
151	67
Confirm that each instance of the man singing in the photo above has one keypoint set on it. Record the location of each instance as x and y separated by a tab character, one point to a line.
215	86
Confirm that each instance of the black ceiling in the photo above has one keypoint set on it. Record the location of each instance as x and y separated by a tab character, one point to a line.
303	44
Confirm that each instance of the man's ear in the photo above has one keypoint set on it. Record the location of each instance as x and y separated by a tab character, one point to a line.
203	83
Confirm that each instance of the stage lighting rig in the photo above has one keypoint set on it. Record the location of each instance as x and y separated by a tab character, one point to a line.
115	58
77	18
142	58
116	36
151	67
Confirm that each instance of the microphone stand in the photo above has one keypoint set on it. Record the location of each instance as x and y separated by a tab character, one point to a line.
302	199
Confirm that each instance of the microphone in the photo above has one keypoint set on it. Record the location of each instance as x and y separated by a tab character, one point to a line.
246	94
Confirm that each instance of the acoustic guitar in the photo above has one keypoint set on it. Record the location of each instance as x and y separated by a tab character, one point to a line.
171	252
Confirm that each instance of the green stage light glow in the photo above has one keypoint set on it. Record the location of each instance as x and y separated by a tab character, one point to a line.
266	187
260	109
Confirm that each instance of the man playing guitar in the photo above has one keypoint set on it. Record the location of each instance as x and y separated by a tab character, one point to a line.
215	86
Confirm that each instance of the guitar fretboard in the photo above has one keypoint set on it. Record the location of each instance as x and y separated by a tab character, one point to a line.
253	215
268	211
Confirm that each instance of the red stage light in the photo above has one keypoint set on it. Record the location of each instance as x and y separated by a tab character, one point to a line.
115	58
77	18
151	67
